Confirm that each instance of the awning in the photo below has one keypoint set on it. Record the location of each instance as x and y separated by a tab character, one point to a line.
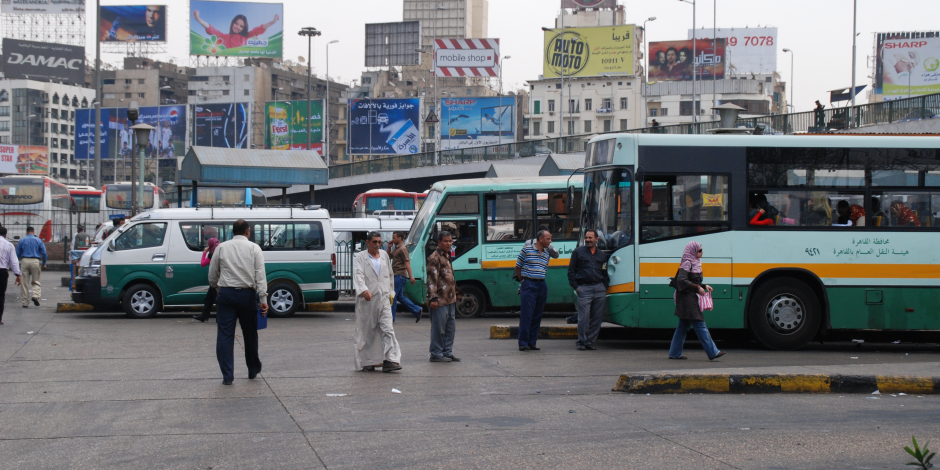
844	94
253	168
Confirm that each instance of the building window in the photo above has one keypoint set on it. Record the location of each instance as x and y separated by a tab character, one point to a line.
538	107
587	126
141	95
247	78
4	110
4	139
109	96
607	125
199	78
141	81
664	112
588	104
55	143
551	127
571	127
226	78
572	106
4	125
55	157
65	143
127	81
127	95
623	103
247	92
607	104
685	108
551	106
224	92
536	128
55	128
54	113
74	101
108	81
55	98
623	125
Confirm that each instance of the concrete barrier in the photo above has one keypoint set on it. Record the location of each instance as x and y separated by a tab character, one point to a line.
559	332
775	383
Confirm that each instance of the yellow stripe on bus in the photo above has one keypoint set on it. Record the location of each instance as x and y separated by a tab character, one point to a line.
669	269
512	263
828	271
621	288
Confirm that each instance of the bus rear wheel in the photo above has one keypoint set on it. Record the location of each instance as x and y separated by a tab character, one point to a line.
283	300
472	303
785	314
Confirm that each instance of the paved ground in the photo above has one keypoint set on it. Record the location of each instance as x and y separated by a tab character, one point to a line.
104	391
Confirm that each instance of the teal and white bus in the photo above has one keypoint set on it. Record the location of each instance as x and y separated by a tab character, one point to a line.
849	244
491	218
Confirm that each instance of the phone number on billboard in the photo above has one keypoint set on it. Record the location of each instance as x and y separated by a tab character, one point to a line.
753	41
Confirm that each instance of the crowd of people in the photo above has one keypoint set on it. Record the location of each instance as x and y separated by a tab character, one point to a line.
815	209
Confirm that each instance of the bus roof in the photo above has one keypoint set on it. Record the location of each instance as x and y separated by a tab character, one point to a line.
370	223
801	140
233	213
85	192
498	184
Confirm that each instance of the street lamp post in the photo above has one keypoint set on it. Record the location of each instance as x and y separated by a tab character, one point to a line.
326	119
29	154
98	98
694	56
646	76
561	115
792	103
499	128
437	99
854	37
142	132
310	32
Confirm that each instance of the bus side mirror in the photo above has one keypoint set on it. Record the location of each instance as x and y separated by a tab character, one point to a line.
570	197
647	193
111	245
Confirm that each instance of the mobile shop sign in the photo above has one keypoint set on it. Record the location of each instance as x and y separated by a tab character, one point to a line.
51	7
43	61
384	126
466	57
476	122
908	67
584	52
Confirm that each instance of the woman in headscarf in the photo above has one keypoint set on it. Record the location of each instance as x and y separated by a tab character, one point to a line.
903	215
689	285
209	300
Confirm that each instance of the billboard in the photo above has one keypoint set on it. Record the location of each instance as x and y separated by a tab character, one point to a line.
393	44
43	61
167	141
589	51
285	127
236	29
24	159
143	23
589	3
907	66
475	122
466	57
747	50
384	126
672	60
51	7
221	125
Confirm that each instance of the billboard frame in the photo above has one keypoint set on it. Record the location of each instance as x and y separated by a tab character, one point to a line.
393	44
213	43
165	10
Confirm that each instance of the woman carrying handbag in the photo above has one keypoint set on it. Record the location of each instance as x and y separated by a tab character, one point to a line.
692	297
211	293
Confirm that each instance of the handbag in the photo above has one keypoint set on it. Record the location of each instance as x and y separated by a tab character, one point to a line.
262	320
705	302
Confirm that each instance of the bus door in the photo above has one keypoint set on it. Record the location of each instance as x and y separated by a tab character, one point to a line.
465	253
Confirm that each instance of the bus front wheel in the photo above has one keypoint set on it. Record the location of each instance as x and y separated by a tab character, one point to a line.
472	303
784	314
283	300
141	301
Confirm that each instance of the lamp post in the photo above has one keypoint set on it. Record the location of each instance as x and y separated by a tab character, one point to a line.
499	127
561	115
854	36
29	155
792	103
437	99
310	32
326	120
694	56
142	132
98	98
646	76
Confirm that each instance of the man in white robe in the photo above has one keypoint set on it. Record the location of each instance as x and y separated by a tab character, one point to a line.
375	341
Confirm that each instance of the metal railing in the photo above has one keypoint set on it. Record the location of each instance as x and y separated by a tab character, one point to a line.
887	112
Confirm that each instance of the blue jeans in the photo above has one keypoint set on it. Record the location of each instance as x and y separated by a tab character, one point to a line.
242	305
400	297
443	329
533	295
678	339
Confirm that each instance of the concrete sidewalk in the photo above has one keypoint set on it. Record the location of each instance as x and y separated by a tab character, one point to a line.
920	378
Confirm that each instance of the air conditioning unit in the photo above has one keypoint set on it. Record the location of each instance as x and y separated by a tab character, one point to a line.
551	113
127	85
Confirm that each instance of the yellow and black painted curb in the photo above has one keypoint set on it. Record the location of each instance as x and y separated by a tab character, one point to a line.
775	383
558	332
73	307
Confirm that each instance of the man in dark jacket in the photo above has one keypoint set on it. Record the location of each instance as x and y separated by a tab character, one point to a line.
587	275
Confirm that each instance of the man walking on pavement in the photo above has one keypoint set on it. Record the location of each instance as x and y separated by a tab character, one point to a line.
442	300
32	254
401	268
8	262
531	266
237	273
587	275
375	340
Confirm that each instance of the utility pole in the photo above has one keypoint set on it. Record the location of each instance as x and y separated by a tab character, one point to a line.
326	119
714	53
98	98
310	32
854	36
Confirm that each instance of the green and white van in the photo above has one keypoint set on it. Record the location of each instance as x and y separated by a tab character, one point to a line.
153	261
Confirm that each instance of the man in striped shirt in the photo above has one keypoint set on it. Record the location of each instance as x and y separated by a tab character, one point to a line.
531	266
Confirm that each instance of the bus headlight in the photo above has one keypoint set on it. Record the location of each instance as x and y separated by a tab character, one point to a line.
91	271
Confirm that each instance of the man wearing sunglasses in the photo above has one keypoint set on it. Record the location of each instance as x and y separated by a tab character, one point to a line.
376	345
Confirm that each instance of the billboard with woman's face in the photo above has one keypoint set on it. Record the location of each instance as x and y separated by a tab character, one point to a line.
236	29
144	23
672	60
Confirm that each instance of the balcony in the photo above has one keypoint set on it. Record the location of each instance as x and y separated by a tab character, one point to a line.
604	111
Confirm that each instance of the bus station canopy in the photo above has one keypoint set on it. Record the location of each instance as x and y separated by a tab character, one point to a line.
214	166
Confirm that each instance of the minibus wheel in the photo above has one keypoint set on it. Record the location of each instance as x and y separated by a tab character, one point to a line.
784	314
283	299
141	301
472	303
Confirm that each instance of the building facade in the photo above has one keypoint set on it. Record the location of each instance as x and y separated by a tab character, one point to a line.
146	81
672	102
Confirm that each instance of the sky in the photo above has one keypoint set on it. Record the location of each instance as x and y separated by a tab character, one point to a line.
818	31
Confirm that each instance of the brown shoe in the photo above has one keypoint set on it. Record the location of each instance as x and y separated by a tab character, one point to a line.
368	369
720	353
389	366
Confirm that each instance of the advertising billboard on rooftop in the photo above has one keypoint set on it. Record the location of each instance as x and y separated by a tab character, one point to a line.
221	125
477	122
384	126
286	127
134	23
166	141
584	52
588	4
747	50
24	159
236	29
672	60
907	66
43	61
49	7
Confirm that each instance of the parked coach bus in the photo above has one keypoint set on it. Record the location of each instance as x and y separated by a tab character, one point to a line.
118	197
219	197
394	201
490	220
37	201
846	241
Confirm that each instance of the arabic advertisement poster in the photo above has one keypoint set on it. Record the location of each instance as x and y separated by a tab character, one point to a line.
910	67
672	60
285	125
477	122
221	125
384	126
132	23
85	133
589	51
238	29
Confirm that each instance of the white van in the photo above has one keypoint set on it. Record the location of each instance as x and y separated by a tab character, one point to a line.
349	236
153	260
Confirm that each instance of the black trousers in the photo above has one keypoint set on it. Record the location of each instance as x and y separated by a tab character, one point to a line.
4	279
208	302
241	305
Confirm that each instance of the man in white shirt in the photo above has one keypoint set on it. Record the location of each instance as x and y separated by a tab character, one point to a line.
237	272
165	138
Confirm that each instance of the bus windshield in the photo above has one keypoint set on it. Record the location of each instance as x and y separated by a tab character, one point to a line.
389	203
21	191
87	202
421	220
608	207
119	197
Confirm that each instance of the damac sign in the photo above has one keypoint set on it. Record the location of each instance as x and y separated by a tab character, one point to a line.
51	62
569	56
43	61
